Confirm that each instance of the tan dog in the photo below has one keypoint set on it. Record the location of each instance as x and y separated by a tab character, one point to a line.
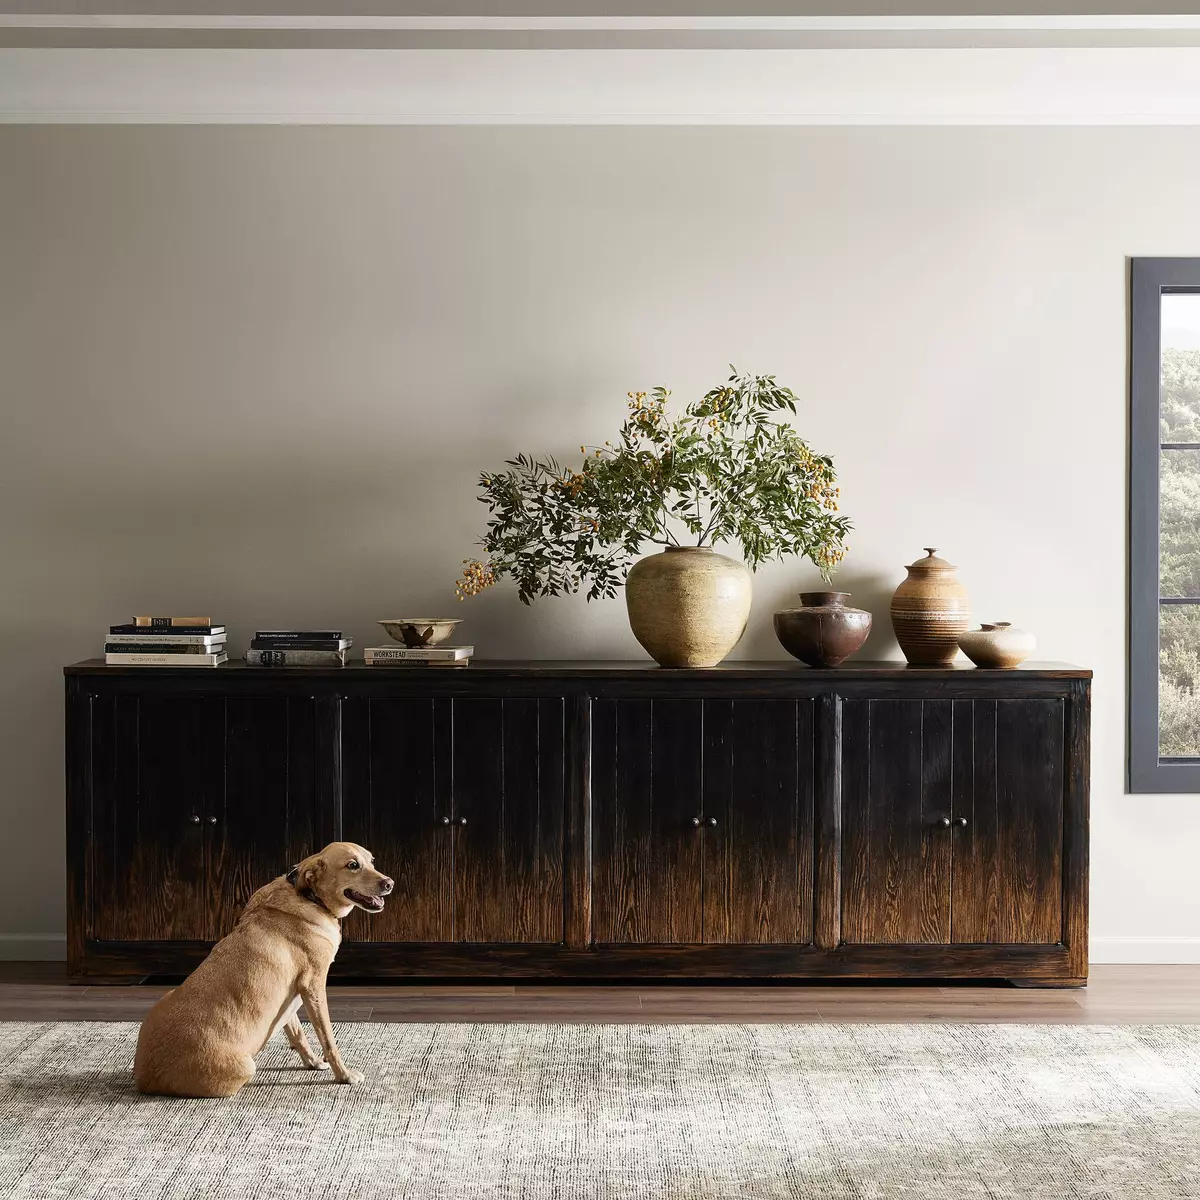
201	1038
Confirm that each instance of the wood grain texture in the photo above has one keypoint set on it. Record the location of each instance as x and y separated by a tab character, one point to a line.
896	792
580	858
647	800
265	820
508	790
757	821
396	766
158	768
1009	790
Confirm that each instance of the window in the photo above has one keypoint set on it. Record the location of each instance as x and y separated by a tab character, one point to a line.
1164	526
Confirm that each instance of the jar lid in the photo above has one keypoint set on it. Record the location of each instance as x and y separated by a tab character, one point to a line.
931	563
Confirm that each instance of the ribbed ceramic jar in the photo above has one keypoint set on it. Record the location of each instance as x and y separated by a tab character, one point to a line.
823	632
997	645
930	610
688	606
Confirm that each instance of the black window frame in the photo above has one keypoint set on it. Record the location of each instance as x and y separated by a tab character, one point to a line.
1150	280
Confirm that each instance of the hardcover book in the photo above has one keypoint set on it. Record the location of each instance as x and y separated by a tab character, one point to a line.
134	647
301	635
165	660
267	643
161	641
170	622
295	658
205	629
420	653
372	658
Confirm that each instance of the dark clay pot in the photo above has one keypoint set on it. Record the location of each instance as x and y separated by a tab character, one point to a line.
824	632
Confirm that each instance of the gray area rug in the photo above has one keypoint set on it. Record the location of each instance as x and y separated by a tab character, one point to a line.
691	1112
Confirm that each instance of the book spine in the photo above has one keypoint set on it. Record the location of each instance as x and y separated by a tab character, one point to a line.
300	635
170	622
176	631
418	664
162	640
135	648
165	660
301	644
387	654
296	658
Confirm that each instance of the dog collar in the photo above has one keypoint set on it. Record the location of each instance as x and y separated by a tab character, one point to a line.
308	893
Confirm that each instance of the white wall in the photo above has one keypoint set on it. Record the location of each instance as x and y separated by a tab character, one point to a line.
256	370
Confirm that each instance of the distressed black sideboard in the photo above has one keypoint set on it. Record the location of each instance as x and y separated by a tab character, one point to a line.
590	820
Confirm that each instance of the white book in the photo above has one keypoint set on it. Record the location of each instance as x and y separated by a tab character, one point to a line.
165	660
167	639
416	664
419	653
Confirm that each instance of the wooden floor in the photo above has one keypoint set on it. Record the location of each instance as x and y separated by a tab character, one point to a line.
1115	995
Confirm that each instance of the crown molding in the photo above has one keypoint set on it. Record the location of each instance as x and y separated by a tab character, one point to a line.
1029	86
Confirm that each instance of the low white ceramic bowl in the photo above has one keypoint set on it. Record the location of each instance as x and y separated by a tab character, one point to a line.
420	631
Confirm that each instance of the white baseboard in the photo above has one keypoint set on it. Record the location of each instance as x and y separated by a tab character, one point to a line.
1145	950
33	947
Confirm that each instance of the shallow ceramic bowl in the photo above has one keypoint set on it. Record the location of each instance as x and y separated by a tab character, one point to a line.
420	631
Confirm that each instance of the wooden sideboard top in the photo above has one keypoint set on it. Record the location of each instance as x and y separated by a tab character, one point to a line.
605	668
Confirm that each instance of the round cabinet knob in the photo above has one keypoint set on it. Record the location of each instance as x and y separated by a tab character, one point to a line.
445	820
961	822
212	820
696	822
712	821
462	820
944	823
195	819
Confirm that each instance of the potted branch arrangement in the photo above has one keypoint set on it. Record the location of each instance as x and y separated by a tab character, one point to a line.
728	469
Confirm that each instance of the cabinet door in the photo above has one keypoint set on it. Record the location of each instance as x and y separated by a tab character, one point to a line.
158	767
1008	789
265	818
758	821
508	795
897	838
647	804
396	802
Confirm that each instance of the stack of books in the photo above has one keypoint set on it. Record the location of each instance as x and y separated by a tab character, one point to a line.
166	642
298	648
418	656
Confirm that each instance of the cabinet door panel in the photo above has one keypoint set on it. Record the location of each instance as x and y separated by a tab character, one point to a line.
396	791
157	763
509	791
896	784
1009	787
646	788
266	818
758	785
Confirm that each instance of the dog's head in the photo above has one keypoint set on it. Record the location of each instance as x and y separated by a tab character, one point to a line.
342	877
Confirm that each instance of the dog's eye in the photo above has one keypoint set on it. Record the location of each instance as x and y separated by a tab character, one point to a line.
353	864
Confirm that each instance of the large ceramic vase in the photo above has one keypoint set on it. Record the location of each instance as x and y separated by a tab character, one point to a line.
823	632
688	606
930	611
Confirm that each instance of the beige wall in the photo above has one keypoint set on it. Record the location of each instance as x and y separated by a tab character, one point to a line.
255	371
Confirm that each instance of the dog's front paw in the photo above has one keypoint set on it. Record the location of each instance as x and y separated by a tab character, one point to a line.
320	1064
350	1076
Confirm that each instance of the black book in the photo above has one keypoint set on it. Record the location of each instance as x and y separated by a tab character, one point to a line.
151	647
262	643
301	635
153	631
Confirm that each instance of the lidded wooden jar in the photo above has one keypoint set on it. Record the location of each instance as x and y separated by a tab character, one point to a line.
930	610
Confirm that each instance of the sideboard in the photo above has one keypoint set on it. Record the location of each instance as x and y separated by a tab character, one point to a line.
593	820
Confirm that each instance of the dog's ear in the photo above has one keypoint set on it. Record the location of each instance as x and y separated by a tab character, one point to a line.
311	874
